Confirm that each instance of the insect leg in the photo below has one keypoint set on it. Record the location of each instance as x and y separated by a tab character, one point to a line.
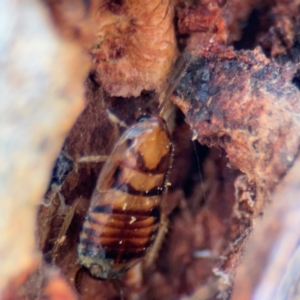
89	159
153	251
63	229
92	159
114	120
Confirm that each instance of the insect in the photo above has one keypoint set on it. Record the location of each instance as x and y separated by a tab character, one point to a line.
125	210
124	220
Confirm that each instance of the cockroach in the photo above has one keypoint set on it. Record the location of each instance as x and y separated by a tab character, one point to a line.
125	222
123	219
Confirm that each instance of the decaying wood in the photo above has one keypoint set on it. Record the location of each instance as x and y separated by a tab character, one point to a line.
271	271
39	103
236	195
47	281
126	57
247	105
256	123
119	36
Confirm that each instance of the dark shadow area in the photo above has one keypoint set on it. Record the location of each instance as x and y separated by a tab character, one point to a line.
296	80
250	30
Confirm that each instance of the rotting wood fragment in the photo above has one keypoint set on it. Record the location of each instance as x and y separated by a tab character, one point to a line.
247	105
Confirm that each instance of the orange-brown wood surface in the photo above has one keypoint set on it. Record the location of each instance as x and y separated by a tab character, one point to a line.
233	116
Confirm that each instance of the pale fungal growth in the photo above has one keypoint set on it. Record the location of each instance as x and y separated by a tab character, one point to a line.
135	46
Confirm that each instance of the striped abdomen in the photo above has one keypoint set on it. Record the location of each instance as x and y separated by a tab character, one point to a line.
124	214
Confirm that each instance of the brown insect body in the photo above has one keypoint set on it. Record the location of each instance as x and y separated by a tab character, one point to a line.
124	214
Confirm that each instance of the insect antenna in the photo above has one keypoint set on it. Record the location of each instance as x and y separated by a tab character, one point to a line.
180	68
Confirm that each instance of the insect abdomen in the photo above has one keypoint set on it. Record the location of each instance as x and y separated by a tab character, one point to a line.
124	215
118	237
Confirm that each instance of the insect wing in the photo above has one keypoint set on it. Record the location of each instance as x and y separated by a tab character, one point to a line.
124	214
